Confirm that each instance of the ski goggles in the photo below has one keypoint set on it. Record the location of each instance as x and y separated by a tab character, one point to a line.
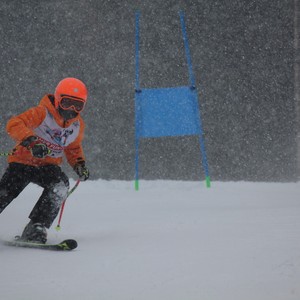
68	103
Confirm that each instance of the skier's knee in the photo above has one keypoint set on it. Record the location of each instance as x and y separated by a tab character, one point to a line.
60	190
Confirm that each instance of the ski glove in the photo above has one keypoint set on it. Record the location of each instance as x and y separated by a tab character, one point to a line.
37	148
81	170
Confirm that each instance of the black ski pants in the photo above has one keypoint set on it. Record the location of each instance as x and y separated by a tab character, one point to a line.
54	181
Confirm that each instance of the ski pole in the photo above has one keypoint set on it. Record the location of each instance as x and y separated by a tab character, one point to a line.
6	153
63	204
9	153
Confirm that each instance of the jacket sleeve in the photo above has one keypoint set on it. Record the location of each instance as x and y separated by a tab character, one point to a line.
22	126
74	151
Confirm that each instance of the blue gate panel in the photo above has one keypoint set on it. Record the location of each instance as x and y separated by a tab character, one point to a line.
167	112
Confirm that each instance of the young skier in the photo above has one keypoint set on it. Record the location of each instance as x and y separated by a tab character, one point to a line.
43	134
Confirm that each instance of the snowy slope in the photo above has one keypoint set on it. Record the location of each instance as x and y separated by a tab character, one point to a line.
169	241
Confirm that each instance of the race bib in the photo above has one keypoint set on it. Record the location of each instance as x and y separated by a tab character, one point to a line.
55	137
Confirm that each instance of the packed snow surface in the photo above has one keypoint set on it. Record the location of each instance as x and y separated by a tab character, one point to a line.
171	240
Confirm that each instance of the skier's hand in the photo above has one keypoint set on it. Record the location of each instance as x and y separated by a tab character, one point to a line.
37	148
81	170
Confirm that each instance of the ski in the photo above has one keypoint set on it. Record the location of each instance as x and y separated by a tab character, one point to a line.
66	245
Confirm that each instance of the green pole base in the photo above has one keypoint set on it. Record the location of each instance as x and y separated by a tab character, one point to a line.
136	185
207	179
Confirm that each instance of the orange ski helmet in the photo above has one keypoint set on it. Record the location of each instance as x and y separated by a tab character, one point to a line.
70	87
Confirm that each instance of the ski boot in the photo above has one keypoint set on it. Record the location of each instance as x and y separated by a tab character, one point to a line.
34	232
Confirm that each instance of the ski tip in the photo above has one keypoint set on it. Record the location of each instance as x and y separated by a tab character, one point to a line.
70	244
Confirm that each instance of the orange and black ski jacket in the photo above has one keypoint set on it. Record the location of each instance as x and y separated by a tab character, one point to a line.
60	136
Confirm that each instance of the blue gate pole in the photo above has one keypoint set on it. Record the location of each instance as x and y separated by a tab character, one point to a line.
202	147
187	51
193	87
137	91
